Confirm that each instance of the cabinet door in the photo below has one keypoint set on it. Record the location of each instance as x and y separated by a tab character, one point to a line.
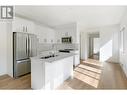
29	26
22	25
17	26
76	60
58	36
49	76
50	36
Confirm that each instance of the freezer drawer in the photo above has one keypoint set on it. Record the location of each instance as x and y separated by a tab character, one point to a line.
22	67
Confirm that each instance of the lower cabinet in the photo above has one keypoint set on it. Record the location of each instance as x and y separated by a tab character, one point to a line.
57	72
76	59
49	75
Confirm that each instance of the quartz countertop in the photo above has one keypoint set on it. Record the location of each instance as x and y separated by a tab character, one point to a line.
53	59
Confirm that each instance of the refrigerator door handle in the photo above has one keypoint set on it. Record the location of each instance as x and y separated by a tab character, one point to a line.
30	46
22	61
26	46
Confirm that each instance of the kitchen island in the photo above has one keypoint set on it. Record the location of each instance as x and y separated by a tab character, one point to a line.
49	73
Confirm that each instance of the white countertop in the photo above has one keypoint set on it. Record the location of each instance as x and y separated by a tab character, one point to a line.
53	59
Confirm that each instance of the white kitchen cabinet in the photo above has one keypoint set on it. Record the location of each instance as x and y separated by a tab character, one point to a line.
50	75
50	36
17	25
76	60
22	25
45	34
30	27
69	30
58	36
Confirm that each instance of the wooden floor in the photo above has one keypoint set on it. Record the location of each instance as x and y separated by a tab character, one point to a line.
24	82
95	56
90	74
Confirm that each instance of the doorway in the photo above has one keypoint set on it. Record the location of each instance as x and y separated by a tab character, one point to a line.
94	46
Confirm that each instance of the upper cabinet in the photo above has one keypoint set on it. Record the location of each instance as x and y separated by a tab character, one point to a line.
22	25
68	30
45	34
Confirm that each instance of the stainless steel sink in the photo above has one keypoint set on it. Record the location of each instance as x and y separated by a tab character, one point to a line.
49	56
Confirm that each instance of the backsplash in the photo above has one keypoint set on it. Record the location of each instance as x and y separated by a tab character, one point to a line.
49	47
66	46
43	47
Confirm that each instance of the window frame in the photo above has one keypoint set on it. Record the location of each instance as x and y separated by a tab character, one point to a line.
122	44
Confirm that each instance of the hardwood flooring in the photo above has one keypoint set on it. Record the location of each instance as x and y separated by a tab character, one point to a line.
90	74
95	56
24	82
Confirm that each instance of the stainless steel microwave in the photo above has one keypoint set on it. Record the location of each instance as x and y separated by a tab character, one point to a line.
67	40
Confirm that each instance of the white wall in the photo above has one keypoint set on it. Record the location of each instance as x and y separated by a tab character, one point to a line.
91	46
96	46
109	43
84	45
9	50
123	54
107	52
5	47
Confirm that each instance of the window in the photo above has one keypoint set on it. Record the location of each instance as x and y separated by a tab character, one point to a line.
122	39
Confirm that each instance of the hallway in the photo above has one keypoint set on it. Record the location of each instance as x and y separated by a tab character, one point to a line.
95	56
92	74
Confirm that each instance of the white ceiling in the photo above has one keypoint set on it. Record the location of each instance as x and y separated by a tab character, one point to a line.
85	16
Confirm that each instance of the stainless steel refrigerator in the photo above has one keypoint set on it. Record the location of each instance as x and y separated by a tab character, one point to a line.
24	47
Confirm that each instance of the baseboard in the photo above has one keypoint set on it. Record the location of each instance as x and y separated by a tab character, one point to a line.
123	70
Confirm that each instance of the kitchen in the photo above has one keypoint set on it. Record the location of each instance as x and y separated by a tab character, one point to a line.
29	43
48	50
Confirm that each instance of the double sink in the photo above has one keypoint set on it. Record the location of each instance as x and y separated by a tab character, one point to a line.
48	56
54	55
